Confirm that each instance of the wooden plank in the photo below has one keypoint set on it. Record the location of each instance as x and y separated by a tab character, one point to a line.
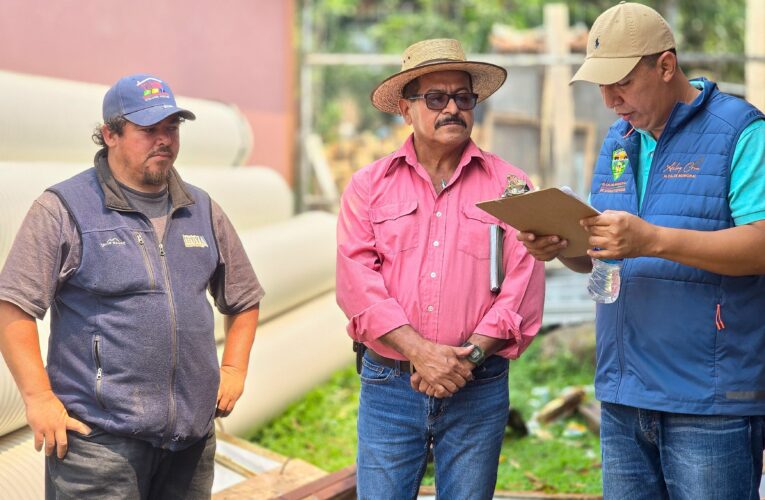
562	406
340	485
290	476
234	466
755	47
249	446
590	412
557	119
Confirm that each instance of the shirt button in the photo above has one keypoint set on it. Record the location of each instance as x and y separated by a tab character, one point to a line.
436	243
430	309
432	275
438	214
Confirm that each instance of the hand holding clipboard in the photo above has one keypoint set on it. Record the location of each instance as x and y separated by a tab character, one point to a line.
550	211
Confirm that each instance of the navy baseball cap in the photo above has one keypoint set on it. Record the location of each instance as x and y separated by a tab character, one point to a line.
142	99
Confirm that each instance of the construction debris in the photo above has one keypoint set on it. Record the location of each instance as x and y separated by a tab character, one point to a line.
562	406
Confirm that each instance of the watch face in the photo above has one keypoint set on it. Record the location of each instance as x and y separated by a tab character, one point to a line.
475	355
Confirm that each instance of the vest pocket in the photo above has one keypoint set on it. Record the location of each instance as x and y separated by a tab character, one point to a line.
117	261
146	261
99	369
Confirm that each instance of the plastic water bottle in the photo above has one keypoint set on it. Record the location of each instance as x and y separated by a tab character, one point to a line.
605	280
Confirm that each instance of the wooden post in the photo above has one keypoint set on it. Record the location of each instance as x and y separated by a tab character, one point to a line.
755	47
557	113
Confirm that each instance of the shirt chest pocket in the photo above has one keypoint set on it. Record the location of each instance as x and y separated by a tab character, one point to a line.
395	226
473	236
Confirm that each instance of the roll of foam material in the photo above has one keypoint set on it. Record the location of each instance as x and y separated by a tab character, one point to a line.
22	469
57	124
251	196
292	354
294	259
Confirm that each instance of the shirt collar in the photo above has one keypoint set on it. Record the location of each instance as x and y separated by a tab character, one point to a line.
406	155
114	196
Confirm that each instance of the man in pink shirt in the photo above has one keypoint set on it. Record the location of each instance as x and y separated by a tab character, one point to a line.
413	279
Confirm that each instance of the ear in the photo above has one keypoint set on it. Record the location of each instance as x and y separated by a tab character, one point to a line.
667	65
405	108
110	138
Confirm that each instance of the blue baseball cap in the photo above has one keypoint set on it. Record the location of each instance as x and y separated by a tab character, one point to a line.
142	99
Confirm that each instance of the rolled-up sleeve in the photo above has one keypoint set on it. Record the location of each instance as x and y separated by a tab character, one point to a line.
361	290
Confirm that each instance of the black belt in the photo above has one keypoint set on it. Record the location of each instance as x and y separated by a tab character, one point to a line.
404	366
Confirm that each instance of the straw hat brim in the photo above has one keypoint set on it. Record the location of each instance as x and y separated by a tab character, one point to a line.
486	79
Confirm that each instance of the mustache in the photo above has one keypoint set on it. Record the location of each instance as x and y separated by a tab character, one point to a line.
451	119
165	150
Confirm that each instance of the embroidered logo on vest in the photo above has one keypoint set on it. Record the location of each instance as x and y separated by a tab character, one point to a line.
194	241
613	187
619	163
112	241
677	170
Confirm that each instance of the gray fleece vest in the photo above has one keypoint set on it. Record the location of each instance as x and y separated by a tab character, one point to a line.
132	346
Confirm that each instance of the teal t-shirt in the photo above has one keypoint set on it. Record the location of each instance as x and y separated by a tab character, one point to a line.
747	188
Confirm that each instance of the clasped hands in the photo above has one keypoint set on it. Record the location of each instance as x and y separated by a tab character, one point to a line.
441	370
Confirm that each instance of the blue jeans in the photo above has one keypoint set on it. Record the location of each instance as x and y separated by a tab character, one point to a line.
102	465
397	426
657	455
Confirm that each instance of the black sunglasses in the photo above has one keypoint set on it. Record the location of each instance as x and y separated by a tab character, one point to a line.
439	100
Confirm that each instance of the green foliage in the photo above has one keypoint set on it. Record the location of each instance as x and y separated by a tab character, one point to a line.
321	428
389	26
392	25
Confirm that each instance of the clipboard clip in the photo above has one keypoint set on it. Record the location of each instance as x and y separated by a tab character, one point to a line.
515	186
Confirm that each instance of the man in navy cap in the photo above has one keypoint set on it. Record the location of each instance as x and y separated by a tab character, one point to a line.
123	254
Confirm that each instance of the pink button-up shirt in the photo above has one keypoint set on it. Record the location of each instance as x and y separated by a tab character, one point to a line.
409	255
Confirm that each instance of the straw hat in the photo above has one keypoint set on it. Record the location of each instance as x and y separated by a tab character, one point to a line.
430	56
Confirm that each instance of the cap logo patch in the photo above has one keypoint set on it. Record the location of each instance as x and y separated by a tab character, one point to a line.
152	89
597	43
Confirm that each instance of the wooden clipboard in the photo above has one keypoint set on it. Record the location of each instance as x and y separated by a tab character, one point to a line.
545	212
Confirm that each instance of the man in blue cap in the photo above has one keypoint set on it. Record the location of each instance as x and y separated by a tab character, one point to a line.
123	254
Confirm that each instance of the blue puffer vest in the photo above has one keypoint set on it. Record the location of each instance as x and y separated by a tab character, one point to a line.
680	339
132	348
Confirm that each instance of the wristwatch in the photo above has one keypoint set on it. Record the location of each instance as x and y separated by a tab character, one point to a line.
476	356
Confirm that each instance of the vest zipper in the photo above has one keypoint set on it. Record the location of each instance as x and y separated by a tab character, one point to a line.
99	370
651	170
146	261
718	319
172	410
